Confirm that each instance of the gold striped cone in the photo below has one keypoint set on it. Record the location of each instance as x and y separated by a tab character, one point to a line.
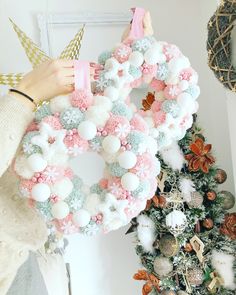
72	50
35	55
10	79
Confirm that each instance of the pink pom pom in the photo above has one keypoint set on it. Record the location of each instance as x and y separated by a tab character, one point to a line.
32	127
189	75
122	53
81	99
52	174
75	139
156	106
171	51
159	118
117	125
53	121
149	69
69	173
157	85
144	166
172	91
139	124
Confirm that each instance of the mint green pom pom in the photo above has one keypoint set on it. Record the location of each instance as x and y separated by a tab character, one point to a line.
27	146
42	112
103	82
71	118
135	72
171	107
96	189
117	170
141	45
45	209
104	56
135	139
121	109
162	71
75	200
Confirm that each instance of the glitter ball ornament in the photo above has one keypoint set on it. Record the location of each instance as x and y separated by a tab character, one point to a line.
162	266
208	223
211	195
220	176
228	200
195	276
176	222
196	200
168	245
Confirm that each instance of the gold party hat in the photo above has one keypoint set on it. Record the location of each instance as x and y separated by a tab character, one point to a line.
36	56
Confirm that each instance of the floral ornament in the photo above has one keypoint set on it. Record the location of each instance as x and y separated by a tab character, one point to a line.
228	228
152	282
200	157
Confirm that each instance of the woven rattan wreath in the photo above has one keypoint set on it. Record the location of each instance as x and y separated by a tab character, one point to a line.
219	48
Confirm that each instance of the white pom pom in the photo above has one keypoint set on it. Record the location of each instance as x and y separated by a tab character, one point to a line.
183	85
136	58
60	159
97	115
173	156
59	104
124	92
41	192
146	232
87	130
92	203
103	102
130	181
151	145
111	144
22	168
178	64
186	101
153	56
112	93
60	210
62	188
37	163
127	159
81	218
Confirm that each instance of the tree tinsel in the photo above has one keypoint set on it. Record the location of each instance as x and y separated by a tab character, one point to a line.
203	221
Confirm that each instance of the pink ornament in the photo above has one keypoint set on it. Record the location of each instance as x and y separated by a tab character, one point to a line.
117	125
171	51
156	106
81	99
122	53
138	123
53	121
157	85
159	118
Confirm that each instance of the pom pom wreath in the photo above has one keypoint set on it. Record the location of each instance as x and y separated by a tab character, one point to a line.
106	122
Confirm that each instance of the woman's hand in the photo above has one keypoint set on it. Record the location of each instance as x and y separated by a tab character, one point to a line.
50	79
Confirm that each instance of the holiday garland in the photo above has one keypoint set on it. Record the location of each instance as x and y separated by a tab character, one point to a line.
219	47
186	242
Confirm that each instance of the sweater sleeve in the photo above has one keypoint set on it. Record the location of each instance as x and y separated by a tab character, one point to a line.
14	119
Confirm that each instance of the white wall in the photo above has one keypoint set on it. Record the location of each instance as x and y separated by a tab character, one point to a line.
105	265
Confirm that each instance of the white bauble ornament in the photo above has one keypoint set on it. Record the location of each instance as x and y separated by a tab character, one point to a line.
60	210
97	115
151	145
103	102
130	181
63	188
176	222
87	130
127	160
111	144
41	192
81	218
37	163
112	93
59	104
136	58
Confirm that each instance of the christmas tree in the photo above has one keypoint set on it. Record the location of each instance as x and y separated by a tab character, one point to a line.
186	238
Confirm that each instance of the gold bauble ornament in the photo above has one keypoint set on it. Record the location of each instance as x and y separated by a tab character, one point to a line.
162	266
220	176
168	245
195	276
196	200
228	200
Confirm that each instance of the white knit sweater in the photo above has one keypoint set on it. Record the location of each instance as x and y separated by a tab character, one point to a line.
21	228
